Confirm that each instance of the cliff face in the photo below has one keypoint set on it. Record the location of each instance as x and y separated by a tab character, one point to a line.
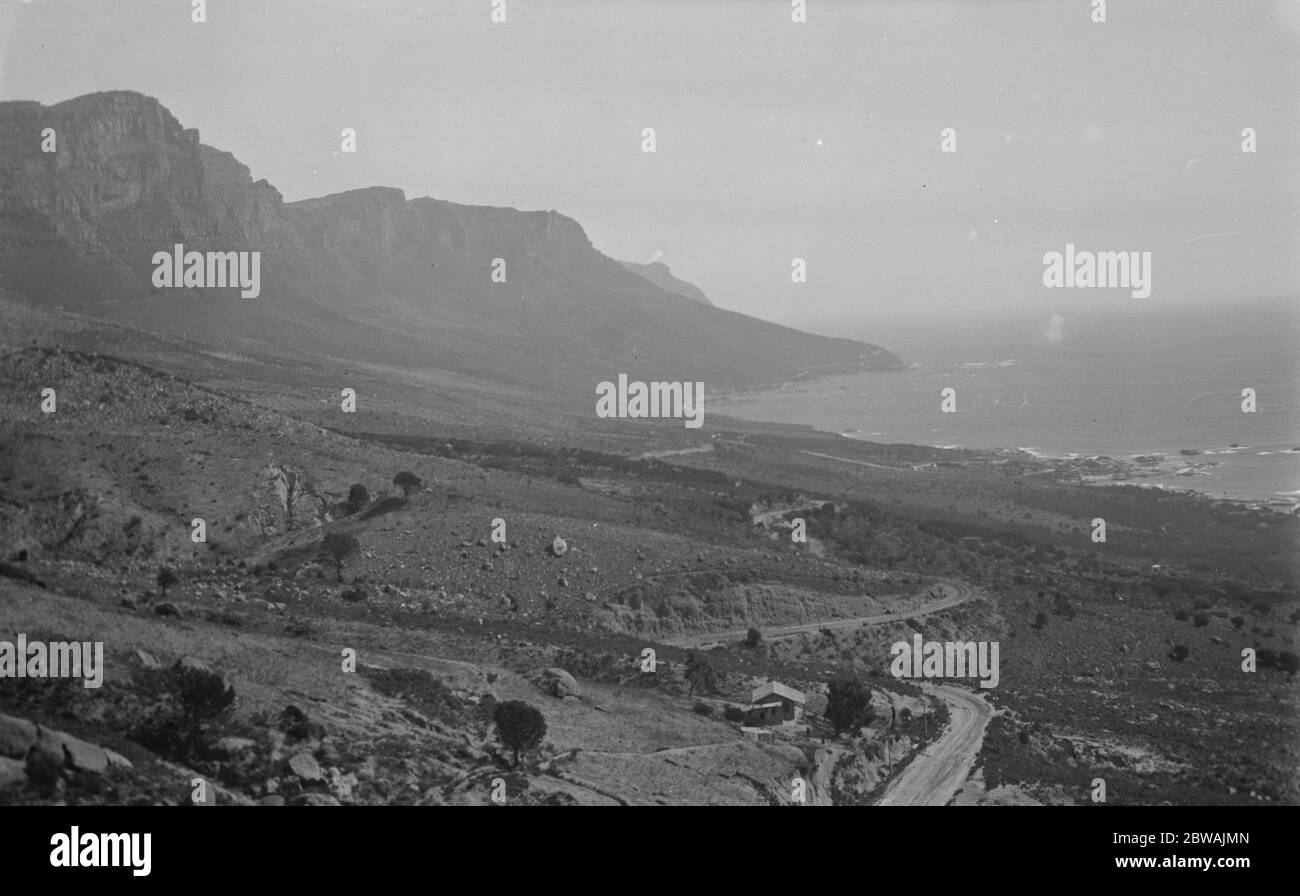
366	275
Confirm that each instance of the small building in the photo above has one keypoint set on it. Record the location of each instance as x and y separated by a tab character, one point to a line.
775	704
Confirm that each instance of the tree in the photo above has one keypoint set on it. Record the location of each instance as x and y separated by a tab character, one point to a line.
1181	652
753	637
339	546
701	674
520	726
848	704
166	576
358	497
407	482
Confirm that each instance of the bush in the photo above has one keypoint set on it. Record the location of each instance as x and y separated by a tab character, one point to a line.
848	705
1288	662
753	637
188	698
1181	616
1201	620
520	726
1238	622
1181	652
1266	658
733	714
703	709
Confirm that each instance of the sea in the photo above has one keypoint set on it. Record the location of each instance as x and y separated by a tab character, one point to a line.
1122	383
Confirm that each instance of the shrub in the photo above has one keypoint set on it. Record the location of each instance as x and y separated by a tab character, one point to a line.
701	674
848	705
753	637
1181	616
733	714
339	546
1288	662
166	576
407	482
1181	652
1201	620
520	726
1238	622
703	709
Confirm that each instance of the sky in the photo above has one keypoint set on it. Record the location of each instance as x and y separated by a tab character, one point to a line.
775	140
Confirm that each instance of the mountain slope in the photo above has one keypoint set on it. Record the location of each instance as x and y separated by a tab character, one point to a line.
661	276
364	277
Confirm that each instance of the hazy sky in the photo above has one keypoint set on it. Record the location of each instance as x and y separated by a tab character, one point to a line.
774	139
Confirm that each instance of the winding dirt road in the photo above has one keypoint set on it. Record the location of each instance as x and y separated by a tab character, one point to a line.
958	593
934	777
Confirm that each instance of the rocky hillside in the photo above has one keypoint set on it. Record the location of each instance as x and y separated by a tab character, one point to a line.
368	276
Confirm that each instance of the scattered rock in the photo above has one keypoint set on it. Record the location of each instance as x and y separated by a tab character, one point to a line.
17	736
305	766
146	660
342	785
559	547
590	597
12	771
234	747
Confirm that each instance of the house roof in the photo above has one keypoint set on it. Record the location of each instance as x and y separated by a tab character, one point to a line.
776	689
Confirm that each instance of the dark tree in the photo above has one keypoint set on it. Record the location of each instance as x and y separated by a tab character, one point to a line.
701	674
520	727
753	637
166	576
848	704
408	482
340	546
358	497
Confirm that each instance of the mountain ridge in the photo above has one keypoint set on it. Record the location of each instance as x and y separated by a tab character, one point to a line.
361	276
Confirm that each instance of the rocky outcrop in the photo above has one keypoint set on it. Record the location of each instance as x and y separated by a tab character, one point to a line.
286	499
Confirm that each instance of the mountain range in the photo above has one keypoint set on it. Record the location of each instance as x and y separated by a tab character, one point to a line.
367	279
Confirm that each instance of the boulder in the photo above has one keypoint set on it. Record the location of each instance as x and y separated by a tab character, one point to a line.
17	736
558	683
559	547
305	766
273	800
77	754
146	660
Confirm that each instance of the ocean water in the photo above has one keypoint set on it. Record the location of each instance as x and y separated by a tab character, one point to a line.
1139	381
